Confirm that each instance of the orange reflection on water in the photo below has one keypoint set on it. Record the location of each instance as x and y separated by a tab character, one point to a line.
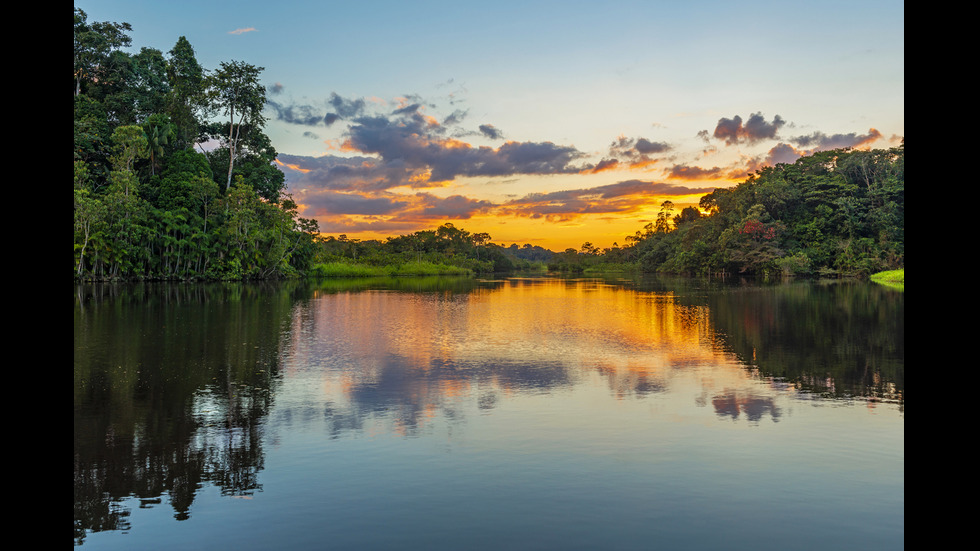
409	355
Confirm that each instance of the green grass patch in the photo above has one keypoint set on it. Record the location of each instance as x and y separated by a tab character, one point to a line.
427	268
891	278
346	269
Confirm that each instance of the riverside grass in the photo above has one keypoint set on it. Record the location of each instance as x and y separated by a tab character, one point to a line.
891	278
344	269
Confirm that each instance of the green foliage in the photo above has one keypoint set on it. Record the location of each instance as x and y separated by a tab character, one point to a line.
146	205
349	269
891	278
837	212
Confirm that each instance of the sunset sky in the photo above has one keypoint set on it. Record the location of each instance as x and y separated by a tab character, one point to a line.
550	123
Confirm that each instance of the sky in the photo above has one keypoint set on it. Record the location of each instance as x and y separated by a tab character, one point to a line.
553	123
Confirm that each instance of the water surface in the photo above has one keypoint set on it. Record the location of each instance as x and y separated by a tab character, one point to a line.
525	413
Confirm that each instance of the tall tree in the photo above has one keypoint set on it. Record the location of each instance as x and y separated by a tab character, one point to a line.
186	79
93	44
235	91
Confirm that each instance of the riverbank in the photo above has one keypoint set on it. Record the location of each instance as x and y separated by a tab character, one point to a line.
345	269
891	278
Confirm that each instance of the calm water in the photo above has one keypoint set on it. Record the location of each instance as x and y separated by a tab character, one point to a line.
466	414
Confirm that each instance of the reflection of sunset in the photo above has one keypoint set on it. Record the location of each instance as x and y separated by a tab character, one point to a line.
408	356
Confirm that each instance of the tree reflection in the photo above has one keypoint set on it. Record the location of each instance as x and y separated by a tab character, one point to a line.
174	384
171	387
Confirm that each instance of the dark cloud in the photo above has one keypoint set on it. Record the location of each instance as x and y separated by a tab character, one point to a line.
309	115
783	153
346	108
491	132
813	143
818	141
275	89
456	117
620	198
687	172
408	109
643	187
331	202
733	132
455	207
348	173
606	164
647	147
416	143
637	151
306	115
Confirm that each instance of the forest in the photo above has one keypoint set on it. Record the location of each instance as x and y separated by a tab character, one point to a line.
150	203
830	214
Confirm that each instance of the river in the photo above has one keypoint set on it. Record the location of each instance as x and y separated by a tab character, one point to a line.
524	413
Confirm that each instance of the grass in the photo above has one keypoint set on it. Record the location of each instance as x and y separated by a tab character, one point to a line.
891	278
345	269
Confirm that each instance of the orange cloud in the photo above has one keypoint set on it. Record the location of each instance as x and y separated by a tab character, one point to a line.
292	166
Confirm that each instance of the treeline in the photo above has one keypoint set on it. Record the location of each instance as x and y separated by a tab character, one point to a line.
834	213
147	205
447	245
839	212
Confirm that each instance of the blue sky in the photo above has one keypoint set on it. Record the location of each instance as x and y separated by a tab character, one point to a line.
544	122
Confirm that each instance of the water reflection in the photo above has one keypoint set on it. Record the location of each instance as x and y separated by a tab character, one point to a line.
171	385
179	387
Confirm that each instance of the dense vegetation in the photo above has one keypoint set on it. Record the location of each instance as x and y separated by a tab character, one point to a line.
147	204
839	212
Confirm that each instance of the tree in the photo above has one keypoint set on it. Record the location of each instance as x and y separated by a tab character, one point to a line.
159	132
663	224
93	44
235	91
186	78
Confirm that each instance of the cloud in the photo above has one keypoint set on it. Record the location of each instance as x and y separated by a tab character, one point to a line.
491	132
733	132
407	141
647	147
456	117
687	172
455	207
818	141
332	202
305	115
624	197
358	173
783	153
696	173
336	108
604	165
417	142
243	31
346	108
637	152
